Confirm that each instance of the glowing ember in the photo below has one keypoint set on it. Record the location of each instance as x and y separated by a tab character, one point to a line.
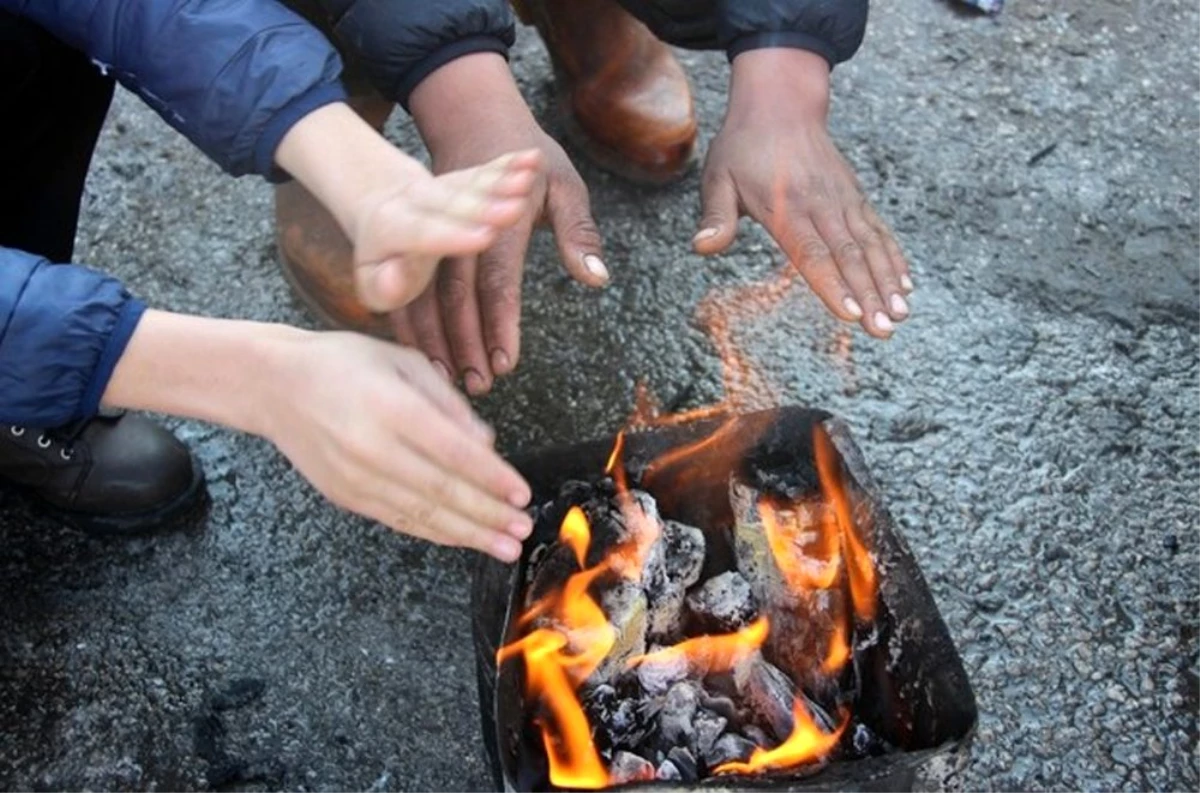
710	654
806	744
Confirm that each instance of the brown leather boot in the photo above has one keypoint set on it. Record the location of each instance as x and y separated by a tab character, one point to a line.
625	99
316	258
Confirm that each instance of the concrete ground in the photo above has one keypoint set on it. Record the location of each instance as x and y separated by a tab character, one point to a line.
1034	426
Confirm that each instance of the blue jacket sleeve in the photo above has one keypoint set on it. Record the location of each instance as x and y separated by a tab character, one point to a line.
231	75
401	42
62	330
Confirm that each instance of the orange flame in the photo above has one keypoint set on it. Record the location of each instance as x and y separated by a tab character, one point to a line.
558	659
806	743
790	538
860	567
838	651
710	654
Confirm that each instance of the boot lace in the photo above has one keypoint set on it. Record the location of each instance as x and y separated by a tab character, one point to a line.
65	435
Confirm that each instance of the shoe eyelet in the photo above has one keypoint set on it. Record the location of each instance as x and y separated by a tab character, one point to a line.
66	453
43	442
17	431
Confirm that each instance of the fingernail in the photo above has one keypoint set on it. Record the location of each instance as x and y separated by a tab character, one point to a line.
474	382
595	266
883	322
443	371
520	529
501	363
506	549
906	282
852	308
899	305
705	234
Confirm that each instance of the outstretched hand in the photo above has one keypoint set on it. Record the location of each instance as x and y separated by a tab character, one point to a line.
468	320
775	161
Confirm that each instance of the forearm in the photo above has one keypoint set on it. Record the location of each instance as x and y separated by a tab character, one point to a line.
215	370
471	90
343	161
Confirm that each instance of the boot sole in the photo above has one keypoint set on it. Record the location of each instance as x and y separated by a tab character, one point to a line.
186	505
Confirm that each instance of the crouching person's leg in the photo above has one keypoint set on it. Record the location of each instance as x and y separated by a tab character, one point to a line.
113	473
625	99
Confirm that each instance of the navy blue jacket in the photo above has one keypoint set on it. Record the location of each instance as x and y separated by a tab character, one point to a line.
231	75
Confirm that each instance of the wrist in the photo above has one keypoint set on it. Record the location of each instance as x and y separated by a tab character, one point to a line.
476	89
223	371
343	161
780	79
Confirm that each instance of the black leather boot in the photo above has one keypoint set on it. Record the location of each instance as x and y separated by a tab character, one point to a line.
111	475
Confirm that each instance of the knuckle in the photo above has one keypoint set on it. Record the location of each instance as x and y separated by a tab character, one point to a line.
813	250
500	287
849	252
454	292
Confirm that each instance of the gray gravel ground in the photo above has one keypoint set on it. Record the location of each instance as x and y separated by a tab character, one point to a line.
1035	427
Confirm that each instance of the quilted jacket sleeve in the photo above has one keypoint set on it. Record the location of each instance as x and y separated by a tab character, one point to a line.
833	29
62	330
398	43
231	75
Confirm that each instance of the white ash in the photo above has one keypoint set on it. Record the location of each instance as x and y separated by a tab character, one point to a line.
709	727
722	604
675	720
728	748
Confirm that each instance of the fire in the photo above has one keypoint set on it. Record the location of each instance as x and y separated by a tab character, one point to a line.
560	656
806	744
860	568
805	549
710	654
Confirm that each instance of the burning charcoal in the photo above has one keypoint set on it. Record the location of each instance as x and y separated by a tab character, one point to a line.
768	693
628	767
723	604
729	747
625	606
722	706
756	736
803	617
667	771
683	760
660	675
709	727
679	709
672	567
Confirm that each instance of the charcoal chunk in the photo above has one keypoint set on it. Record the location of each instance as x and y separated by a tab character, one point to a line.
728	748
629	767
723	604
672	567
768	693
685	761
625	606
721	705
757	736
668	771
677	714
659	675
709	727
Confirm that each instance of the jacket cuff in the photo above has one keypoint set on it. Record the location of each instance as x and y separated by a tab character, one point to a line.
118	340
443	55
284	120
783	38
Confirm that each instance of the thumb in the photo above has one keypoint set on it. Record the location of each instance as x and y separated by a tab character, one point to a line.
392	283
719	221
575	231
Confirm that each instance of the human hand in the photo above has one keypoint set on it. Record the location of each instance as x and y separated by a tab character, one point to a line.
400	218
468	320
775	161
375	429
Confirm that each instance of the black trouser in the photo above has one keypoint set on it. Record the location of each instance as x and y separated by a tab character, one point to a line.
53	101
